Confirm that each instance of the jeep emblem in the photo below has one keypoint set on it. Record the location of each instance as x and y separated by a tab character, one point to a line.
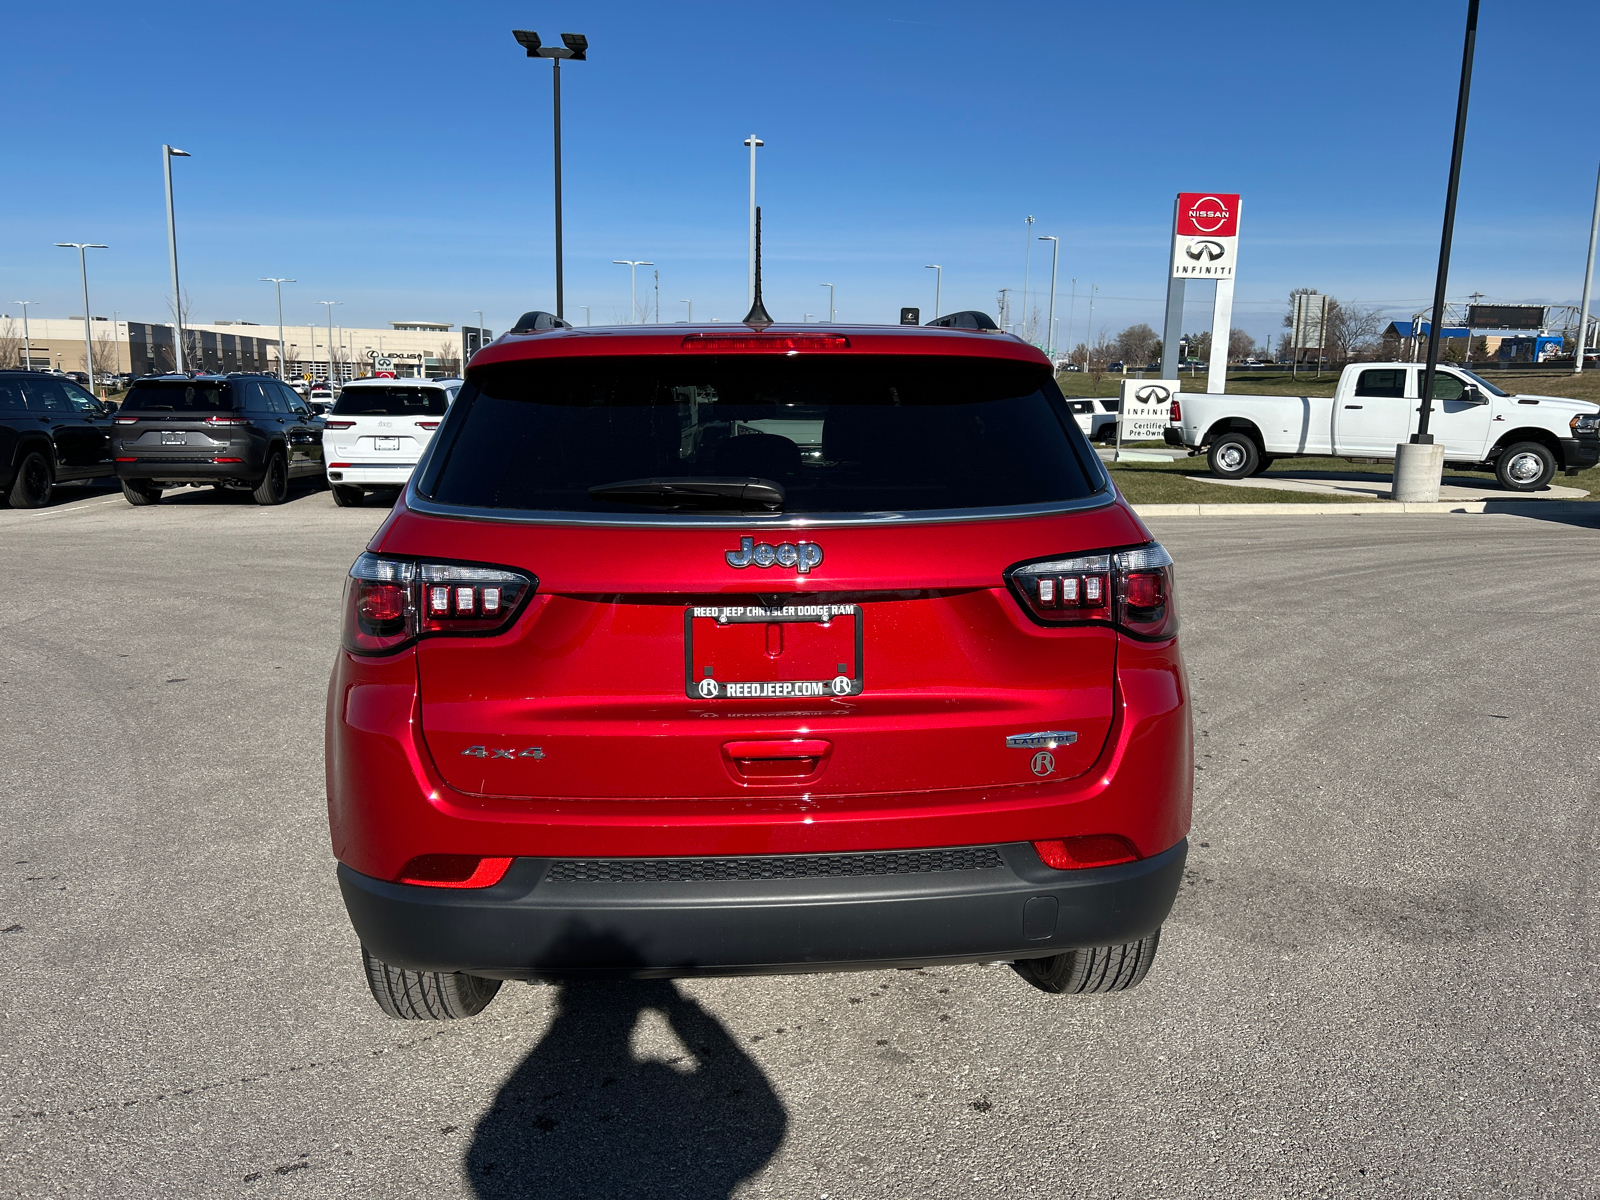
803	556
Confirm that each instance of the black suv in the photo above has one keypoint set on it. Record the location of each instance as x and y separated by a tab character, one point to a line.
51	431
249	432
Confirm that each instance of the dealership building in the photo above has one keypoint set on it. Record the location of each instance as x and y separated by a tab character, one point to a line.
414	349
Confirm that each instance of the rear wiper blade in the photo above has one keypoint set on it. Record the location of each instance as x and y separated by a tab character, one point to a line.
701	493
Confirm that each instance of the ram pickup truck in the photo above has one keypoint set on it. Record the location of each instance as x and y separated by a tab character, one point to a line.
1524	440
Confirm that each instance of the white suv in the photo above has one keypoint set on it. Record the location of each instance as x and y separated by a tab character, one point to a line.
377	431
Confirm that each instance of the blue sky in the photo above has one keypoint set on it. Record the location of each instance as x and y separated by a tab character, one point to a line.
397	156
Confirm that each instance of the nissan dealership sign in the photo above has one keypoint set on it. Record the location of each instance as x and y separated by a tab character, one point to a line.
1205	236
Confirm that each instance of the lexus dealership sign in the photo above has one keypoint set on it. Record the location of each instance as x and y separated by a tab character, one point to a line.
1205	236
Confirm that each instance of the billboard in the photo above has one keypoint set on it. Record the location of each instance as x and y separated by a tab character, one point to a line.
1205	235
1505	316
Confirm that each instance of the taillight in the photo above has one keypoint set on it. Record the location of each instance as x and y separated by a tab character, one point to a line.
332	424
1177	412
427	424
1089	850
790	343
1131	589
454	870
227	421
390	602
124	420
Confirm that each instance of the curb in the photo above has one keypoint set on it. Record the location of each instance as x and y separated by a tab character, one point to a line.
1509	508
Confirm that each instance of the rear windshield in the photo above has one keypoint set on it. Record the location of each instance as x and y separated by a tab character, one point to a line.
840	435
179	395
391	402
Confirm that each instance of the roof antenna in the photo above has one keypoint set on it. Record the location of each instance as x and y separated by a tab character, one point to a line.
757	317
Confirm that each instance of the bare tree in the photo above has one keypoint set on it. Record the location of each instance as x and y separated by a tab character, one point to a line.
107	350
1102	352
449	355
1240	345
11	343
1353	331
1138	345
191	337
1079	354
1033	322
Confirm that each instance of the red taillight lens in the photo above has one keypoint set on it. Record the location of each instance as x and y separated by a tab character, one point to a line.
1090	850
124	420
389	602
1177	412
427	424
332	424
1131	589
227	421
718	343
454	870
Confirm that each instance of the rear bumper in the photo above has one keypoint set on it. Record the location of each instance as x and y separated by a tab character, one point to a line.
191	471
372	474
532	926
1173	436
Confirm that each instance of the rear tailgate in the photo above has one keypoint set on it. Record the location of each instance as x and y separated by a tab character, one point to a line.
597	690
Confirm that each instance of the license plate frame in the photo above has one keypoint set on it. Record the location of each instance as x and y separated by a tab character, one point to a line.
697	685
171	437
386	443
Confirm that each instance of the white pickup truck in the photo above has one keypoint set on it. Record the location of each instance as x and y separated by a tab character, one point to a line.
1524	440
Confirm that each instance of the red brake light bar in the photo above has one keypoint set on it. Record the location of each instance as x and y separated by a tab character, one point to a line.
423	425
330	423
124	420
720	343
227	421
454	870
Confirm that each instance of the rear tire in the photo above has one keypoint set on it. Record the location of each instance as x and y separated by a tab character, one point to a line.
426	995
1096	969
138	493
347	497
1233	456
1525	467
274	485
31	487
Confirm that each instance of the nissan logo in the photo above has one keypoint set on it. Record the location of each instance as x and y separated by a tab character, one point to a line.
1208	250
1152	393
1209	209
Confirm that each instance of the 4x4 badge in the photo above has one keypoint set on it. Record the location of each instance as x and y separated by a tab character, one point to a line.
533	752
803	556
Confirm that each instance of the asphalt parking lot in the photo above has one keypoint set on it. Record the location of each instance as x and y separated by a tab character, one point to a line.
1380	978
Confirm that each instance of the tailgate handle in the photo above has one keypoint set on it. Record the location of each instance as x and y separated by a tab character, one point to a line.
777	760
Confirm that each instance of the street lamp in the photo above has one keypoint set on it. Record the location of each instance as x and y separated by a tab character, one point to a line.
1027	262
829	286
168	153
585	308
330	304
83	270
633	266
938	284
1050	321
1588	279
753	142
278	287
576	47
690	318
1072	308
27	342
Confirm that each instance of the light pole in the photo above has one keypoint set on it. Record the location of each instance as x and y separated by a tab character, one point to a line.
330	304
83	271
633	266
1050	321
1088	339
479	311
658	296
585	308
753	142
690	318
576	47
278	286
1072	307
168	153
1417	471
1588	278
829	286
938	284
27	342
1027	262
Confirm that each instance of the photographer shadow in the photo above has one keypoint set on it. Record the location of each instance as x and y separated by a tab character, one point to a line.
582	1117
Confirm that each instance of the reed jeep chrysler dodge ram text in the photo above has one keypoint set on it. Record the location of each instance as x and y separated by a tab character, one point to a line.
756	650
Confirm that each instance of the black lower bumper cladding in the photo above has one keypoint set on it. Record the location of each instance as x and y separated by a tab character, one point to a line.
761	914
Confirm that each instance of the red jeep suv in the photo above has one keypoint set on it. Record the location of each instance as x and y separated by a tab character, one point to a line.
737	650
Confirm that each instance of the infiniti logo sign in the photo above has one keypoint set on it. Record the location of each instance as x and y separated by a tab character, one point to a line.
802	556
1208	250
1152	394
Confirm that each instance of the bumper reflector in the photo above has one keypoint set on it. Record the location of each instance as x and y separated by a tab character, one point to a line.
454	870
1091	850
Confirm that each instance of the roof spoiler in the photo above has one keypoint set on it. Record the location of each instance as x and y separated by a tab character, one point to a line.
970	319
539	321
